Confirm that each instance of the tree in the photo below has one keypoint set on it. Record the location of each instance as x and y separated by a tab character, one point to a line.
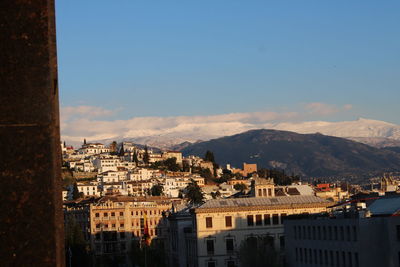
259	252
240	187
171	164
113	147
209	156
135	157
76	249
122	151
205	173
157	190
151	256
146	156
84	141
194	193
75	192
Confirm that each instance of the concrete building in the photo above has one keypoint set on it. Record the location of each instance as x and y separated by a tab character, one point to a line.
220	225
173	154
359	238
111	223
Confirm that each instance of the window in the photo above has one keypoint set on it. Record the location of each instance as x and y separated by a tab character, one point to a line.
283	215
282	242
98	226
398	232
259	192
121	214
337	259
208	222
121	225
112	214
267	219
97	214
250	220
341	233
275	218
265	192
105	214
229	245
350	259
354	233
269	192
228	221
210	247
122	235
258	219
335	233
356	262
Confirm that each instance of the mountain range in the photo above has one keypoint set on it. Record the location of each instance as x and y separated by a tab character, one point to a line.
310	155
372	132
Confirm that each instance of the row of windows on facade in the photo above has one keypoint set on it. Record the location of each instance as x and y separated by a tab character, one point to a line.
327	257
229	245
138	233
122	225
264	192
334	233
252	220
112	214
122	235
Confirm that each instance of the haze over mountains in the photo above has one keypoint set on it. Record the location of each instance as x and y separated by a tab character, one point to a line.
310	155
167	136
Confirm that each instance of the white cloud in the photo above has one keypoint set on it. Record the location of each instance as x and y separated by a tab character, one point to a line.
74	112
80	122
319	108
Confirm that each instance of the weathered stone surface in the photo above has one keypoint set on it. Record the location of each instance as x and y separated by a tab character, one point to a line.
31	220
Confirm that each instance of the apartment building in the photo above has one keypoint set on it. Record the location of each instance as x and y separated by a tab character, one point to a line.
112	222
365	238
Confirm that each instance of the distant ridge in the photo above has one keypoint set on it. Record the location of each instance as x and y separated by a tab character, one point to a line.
312	155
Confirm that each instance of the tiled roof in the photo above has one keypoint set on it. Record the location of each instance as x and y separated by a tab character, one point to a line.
255	201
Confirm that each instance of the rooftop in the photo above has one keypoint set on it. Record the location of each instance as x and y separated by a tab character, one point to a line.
256	202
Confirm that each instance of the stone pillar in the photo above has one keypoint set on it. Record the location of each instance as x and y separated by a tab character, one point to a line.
31	218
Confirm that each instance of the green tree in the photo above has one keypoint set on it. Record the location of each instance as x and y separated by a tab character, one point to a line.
76	250
135	158
75	192
240	187
122	151
259	252
146	156
150	256
209	156
194	193
157	190
171	164
113	147
84	141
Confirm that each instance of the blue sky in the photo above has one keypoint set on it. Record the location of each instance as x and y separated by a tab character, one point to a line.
173	58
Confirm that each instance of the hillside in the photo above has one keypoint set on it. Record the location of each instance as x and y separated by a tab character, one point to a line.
311	155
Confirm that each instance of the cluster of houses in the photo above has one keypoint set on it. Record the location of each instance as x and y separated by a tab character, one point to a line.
302	223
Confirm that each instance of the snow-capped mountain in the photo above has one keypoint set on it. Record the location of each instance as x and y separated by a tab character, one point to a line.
372	132
359	128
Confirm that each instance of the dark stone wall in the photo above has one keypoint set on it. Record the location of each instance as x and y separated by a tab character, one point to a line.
31	218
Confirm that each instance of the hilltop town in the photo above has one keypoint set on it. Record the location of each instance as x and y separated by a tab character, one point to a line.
130	203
